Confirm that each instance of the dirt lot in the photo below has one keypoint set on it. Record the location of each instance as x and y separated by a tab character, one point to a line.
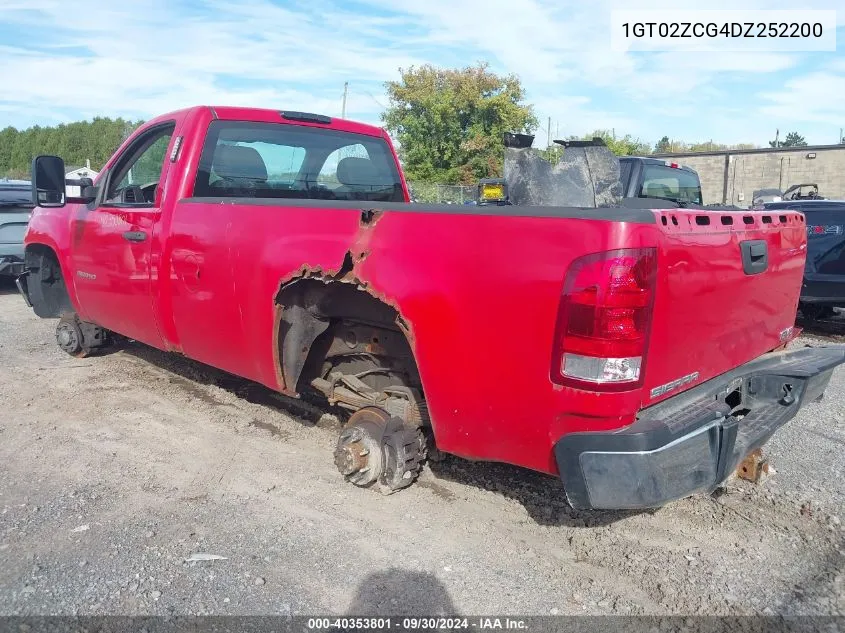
115	470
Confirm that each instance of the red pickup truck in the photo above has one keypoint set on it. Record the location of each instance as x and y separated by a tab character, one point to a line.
636	352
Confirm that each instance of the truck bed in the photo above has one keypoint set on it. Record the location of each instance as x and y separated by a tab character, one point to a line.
476	285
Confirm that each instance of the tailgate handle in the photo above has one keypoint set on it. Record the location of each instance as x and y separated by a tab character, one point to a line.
755	256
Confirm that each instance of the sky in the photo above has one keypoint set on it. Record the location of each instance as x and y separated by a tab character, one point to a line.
66	62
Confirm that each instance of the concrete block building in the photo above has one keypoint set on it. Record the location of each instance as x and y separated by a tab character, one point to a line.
731	176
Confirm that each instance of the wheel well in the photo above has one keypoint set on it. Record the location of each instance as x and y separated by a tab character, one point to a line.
342	343
45	283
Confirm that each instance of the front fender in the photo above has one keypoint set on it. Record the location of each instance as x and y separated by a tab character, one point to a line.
50	228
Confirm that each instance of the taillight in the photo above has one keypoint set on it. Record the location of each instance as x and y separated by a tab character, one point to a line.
604	320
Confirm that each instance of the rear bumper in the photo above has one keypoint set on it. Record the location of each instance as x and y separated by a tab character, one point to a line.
11	259
691	443
830	290
10	265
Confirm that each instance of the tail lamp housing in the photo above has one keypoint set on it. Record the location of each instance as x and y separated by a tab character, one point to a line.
604	320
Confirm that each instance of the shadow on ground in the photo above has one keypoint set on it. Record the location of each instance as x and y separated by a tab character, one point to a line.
832	328
401	592
7	286
188	373
542	496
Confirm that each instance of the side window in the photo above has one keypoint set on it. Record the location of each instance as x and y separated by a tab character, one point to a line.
138	170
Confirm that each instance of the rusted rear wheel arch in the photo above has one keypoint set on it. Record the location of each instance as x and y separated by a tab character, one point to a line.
309	313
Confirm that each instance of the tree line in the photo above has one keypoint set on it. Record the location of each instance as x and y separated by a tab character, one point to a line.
94	140
448	123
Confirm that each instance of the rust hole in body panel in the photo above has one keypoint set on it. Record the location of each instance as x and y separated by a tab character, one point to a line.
369	216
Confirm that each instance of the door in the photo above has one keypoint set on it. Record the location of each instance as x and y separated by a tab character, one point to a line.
113	239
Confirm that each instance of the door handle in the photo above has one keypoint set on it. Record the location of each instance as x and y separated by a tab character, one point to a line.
135	236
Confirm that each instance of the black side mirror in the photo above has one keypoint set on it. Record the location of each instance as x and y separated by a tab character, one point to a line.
48	181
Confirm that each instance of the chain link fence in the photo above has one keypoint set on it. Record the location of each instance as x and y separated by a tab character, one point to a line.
434	193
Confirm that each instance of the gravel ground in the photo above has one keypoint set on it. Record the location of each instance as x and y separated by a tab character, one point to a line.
124	477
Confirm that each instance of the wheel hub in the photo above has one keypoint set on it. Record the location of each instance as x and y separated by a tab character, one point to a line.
69	337
358	455
376	447
351	458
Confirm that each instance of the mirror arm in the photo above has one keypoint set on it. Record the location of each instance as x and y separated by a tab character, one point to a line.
88	192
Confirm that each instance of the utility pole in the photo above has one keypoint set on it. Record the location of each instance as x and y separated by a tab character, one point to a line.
549	134
841	138
777	136
345	90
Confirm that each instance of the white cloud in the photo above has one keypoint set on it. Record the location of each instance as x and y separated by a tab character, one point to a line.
140	60
817	97
143	57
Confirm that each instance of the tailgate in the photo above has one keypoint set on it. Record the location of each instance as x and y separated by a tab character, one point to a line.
727	292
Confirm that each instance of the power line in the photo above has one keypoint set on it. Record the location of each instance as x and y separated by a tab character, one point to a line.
370	95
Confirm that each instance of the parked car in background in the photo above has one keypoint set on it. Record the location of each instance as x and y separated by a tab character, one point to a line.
794	192
644	177
638	176
15	211
823	288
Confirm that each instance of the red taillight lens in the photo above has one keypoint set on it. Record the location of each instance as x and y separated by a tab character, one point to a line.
604	320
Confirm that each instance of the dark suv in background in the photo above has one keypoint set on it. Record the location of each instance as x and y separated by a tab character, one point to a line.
15	210
824	272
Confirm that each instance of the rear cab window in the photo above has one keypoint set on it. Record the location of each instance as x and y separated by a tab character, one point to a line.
282	160
672	183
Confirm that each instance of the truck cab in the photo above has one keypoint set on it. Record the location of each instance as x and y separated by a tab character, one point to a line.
644	177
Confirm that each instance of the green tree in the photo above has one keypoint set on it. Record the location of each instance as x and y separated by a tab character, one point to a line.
449	123
76	142
793	139
663	146
624	146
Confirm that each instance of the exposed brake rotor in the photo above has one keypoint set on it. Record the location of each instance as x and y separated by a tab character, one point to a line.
377	448
358	455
